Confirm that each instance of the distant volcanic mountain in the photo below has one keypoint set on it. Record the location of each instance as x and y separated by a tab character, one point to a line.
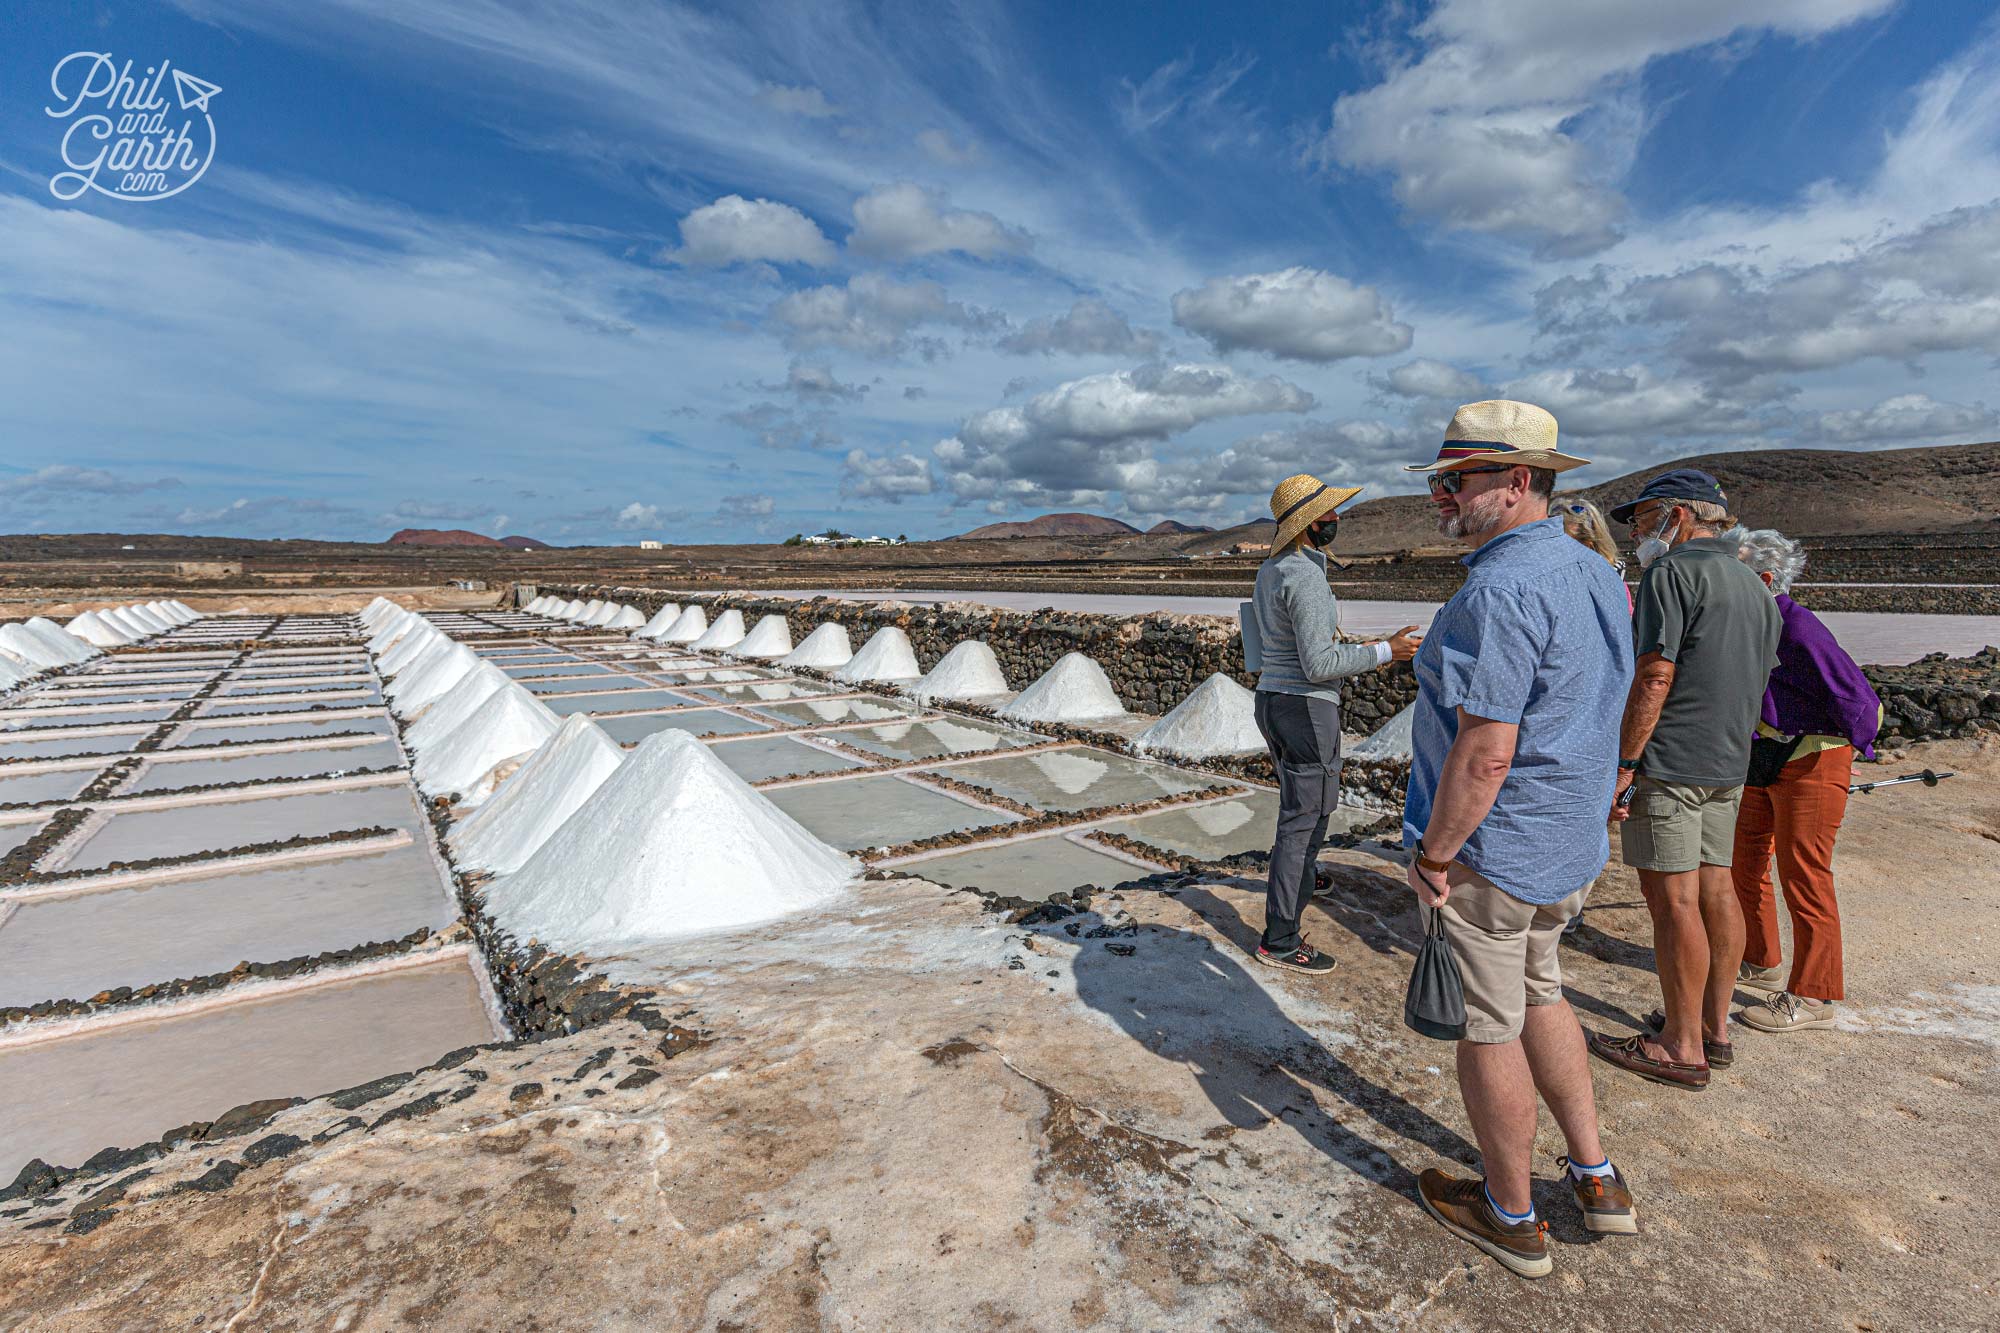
1170	527
440	537
1052	525
525	543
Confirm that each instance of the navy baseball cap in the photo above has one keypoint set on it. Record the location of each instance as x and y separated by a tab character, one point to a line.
1681	483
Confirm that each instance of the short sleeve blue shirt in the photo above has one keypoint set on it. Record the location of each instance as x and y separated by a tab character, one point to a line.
1539	636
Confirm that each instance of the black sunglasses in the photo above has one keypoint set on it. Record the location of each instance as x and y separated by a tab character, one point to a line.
1451	483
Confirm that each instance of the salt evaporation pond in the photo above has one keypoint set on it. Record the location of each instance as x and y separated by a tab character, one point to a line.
1031	867
1873	637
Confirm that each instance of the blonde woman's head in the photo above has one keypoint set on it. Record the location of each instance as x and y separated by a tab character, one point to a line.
1584	521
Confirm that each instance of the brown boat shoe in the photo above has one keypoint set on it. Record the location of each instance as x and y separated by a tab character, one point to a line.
1606	1201
1461	1206
1629	1054
1721	1054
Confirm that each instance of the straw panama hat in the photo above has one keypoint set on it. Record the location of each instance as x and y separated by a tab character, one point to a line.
1501	430
1300	500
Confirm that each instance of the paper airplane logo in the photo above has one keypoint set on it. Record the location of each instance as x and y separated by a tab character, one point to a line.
194	93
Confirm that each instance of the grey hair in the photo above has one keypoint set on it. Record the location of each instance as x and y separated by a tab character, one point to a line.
1768	551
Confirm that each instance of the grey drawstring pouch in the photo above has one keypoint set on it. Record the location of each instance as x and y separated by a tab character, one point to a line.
1435	1005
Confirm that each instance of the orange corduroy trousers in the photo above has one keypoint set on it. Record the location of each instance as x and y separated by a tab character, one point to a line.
1797	818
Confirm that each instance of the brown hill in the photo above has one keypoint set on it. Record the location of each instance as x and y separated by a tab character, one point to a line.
1052	525
526	544
439	537
1168	527
1804	492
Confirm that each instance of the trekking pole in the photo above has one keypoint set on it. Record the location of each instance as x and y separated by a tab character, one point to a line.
1927	777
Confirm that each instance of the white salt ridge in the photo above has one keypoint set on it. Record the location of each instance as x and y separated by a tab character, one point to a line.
823	649
725	632
672	844
26	654
60	640
398	657
94	629
1219	717
886	658
586	611
690	625
13	672
1392	740
390	632
663	620
533	803
409	659
486	747
373	614
122	617
146	617
968	671
573	610
456	704
192	614
601	617
627	617
429	683
771	637
1075	689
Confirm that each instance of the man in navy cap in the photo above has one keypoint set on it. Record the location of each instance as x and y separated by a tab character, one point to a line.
1705	631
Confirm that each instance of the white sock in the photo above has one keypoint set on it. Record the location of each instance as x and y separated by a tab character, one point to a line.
1579	1170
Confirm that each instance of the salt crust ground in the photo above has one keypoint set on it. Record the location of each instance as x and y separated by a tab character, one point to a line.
895	1128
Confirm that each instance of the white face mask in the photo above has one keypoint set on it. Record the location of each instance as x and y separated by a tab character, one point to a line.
1655	546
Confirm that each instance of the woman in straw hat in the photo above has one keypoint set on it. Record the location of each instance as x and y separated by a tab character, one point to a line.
1298	701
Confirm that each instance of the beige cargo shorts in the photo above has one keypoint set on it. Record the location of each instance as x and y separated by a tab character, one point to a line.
1675	827
1506	951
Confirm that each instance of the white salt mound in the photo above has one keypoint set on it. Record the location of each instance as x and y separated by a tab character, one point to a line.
1219	717
672	844
13	672
533	803
690	625
772	637
486	747
887	658
823	649
1391	740
390	632
726	632
602	616
628	617
192	614
406	662
456	704
428	685
25	654
968	671
1075	689
398	657
145	616
60	640
94	629
663	620
121	620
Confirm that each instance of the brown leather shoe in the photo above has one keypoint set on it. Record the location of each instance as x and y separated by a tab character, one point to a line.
1720	1054
1606	1202
1629	1054
1462	1207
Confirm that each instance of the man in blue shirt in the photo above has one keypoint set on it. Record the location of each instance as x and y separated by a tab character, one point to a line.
1520	686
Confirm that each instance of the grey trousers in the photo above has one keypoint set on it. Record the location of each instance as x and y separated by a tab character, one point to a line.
1304	736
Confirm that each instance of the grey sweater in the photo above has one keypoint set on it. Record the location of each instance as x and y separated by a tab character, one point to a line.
1295	626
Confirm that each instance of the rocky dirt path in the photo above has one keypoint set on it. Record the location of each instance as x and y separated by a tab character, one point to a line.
914	1116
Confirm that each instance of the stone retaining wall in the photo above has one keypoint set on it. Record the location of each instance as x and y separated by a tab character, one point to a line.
1154	661
1937	697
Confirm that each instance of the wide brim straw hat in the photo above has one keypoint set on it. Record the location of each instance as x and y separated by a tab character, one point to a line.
1500	430
1301	500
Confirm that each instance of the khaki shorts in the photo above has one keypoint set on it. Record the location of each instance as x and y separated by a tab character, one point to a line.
1506	952
1676	828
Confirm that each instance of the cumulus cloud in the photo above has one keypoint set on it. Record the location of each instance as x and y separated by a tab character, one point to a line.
1090	328
904	221
1906	417
875	316
1301	314
637	515
1520	117
735	230
888	477
1634	400
1429	378
1081	439
745	508
806	101
805	379
1352	452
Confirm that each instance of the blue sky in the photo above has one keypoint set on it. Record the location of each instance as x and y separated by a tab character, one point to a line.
607	269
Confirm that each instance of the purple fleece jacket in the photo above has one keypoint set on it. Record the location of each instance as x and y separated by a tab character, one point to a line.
1816	689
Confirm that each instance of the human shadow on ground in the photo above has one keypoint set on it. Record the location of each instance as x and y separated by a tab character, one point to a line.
1189	1000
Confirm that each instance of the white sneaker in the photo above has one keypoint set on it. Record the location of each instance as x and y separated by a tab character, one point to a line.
1762	980
1786	1012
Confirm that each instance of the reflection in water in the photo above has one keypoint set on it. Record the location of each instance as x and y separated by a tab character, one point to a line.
1073	774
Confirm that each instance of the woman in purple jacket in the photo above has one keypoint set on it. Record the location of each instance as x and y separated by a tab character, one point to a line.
1819	710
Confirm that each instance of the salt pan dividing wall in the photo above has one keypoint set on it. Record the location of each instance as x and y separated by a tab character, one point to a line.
561	775
673	843
885	659
1219	718
1074	690
823	649
969	671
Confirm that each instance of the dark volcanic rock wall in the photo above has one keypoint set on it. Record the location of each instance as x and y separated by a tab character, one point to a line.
1939	696
1154	661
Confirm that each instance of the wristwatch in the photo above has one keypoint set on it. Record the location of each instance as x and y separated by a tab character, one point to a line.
1424	860
1632	763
